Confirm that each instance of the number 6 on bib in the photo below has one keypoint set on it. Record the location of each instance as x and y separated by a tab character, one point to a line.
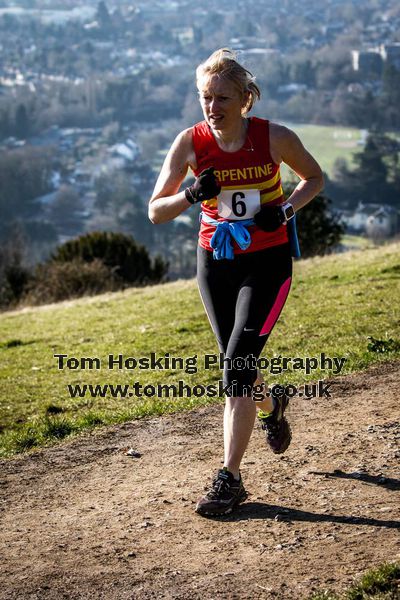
238	204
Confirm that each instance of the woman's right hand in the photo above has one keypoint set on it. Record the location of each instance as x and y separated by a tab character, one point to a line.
205	187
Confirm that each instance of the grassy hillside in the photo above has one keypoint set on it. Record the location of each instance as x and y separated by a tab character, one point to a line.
336	302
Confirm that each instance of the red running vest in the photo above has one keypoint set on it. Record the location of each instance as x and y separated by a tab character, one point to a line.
250	168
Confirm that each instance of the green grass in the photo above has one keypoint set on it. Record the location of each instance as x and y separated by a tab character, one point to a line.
381	583
353	242
335	305
329	142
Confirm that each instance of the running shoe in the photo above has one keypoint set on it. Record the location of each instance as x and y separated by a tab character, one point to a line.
275	425
225	493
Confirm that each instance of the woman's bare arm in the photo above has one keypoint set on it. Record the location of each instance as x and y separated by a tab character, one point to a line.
166	202
286	147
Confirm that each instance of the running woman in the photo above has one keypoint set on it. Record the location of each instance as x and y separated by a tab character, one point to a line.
244	257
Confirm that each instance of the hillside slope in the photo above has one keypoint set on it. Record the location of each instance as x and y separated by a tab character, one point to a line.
336	304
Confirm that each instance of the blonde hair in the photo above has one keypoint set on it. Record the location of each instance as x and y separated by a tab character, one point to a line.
223	63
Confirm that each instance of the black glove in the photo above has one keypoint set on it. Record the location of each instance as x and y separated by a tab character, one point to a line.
269	218
205	187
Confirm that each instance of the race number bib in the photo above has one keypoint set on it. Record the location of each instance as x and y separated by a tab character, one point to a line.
238	204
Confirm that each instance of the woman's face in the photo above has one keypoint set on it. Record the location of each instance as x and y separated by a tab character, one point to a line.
221	102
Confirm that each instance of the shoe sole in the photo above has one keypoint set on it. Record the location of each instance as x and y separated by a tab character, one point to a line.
289	439
205	513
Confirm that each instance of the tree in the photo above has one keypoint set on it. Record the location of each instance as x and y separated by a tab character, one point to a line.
370	175
358	108
376	177
24	175
390	99
65	206
301	69
22	126
103	16
119	201
340	187
389	149
14	274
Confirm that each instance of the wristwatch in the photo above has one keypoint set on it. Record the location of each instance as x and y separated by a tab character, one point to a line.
288	211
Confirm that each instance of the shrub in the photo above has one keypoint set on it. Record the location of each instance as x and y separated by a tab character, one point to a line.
92	264
130	261
59	281
14	276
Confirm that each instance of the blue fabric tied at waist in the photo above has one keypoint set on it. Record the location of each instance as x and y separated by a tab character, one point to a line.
221	241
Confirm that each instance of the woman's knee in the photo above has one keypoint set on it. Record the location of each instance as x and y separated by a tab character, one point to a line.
240	381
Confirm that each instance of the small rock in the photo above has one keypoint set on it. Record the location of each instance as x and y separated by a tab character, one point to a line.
145	524
133	453
279	517
266	589
361	468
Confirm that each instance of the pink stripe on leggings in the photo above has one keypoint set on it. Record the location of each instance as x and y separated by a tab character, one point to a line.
277	307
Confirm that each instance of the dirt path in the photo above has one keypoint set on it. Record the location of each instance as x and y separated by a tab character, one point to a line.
83	520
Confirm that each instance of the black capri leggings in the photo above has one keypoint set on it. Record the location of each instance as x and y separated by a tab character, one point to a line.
243	299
